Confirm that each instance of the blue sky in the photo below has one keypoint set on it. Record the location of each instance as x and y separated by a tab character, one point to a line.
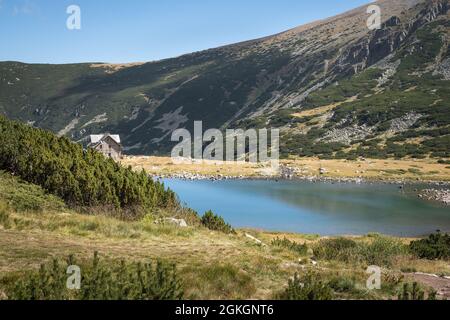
145	30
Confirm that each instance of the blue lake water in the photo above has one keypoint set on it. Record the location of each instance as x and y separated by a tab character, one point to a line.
315	208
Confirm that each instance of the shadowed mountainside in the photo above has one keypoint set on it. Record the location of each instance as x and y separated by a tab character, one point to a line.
334	87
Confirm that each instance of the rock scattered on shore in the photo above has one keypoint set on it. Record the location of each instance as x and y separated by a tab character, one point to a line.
196	176
439	195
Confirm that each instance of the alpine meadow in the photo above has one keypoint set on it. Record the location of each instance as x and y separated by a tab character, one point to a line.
95	204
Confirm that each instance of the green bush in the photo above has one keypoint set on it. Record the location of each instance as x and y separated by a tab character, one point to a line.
4	215
100	281
82	178
22	196
218	281
415	292
436	246
342	284
301	249
216	223
340	249
379	251
307	288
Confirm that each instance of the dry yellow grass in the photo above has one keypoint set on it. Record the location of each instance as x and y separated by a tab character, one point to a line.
38	238
423	170
322	110
165	166
212	265
114	67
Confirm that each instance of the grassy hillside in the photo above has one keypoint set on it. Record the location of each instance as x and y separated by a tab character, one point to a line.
405	116
336	89
330	86
386	170
83	178
395	109
210	265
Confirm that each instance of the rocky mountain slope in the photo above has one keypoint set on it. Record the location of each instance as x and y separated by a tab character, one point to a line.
336	88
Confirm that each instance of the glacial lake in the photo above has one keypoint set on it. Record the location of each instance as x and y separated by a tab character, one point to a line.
315	208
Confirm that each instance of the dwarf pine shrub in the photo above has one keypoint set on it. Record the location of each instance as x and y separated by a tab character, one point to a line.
436	246
100	281
415	292
340	249
309	287
379	251
4	215
216	223
342	284
46	284
82	178
301	249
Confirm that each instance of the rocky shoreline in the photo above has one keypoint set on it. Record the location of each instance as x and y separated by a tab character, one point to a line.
438	195
219	177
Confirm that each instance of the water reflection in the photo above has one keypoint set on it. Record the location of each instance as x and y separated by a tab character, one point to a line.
323	208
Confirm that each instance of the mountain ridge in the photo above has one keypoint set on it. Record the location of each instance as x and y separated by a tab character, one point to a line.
259	82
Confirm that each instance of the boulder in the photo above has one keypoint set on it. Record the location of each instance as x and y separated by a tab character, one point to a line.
178	222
